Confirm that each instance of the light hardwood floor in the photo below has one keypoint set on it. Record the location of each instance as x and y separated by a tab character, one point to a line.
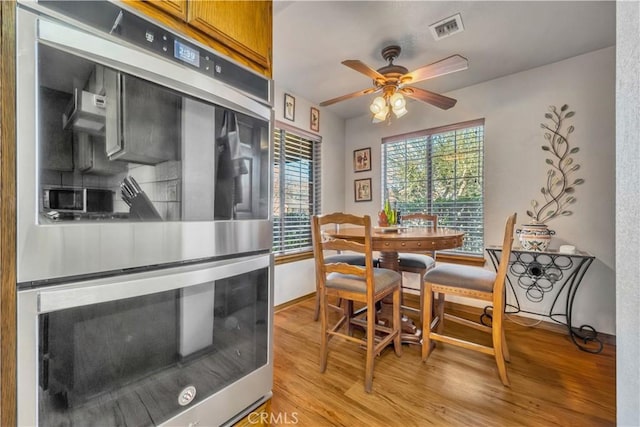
552	382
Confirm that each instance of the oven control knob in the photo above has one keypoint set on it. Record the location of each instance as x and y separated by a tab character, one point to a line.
187	395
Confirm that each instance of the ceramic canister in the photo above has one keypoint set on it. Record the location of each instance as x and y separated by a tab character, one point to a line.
535	236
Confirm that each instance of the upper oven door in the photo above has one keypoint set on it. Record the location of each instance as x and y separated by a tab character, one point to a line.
186	157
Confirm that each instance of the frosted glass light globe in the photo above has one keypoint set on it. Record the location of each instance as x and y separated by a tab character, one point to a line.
397	101
377	105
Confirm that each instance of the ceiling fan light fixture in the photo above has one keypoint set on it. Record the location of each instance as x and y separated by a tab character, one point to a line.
397	101
399	112
378	105
392	80
382	115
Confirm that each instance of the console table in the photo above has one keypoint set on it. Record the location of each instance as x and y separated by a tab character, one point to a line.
548	274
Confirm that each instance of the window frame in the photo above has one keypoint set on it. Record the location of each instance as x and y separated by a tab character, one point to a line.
282	252
428	135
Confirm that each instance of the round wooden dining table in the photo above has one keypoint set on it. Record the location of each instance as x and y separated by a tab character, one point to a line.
389	241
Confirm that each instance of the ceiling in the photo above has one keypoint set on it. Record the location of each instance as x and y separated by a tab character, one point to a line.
312	38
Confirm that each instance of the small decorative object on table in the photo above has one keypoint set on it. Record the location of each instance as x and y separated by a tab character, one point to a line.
558	190
387	216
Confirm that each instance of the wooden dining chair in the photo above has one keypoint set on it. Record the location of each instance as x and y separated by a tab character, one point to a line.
347	258
414	262
363	284
469	282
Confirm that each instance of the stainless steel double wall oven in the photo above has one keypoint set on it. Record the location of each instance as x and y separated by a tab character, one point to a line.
145	273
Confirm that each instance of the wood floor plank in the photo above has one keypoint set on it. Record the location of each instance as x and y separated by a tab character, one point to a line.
552	382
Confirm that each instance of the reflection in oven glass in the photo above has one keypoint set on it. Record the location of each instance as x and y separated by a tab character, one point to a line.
126	362
158	154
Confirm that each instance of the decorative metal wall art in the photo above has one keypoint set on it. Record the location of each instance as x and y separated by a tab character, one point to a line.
558	191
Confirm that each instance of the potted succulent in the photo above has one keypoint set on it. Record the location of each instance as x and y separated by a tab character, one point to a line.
558	191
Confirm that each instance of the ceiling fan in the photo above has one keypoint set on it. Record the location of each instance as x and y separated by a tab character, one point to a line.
393	80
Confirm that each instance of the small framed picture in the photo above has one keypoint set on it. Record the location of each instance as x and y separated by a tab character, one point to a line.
362	160
289	107
362	190
314	120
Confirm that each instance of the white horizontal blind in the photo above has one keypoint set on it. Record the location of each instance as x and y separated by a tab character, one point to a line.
296	190
439	171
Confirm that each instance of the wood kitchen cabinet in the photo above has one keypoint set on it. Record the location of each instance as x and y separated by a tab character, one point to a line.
177	8
244	26
241	30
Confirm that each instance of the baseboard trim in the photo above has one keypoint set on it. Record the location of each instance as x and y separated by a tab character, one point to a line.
295	301
414	300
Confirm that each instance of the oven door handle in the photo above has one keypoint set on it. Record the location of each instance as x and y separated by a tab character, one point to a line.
145	283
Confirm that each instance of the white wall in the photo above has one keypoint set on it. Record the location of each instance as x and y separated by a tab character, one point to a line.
296	279
515	169
628	214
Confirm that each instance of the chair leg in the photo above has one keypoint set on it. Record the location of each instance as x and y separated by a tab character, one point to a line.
316	312
427	315
422	273
505	348
371	336
323	327
440	306
422	302
348	314
497	334
397	322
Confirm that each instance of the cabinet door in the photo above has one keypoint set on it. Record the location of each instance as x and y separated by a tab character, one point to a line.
177	8
244	26
56	142
92	156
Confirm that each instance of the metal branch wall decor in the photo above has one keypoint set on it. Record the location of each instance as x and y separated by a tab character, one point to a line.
558	192
559	189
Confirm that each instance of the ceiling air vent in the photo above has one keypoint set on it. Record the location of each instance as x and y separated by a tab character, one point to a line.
447	27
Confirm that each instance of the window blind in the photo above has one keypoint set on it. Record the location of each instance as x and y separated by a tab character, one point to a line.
296	190
439	171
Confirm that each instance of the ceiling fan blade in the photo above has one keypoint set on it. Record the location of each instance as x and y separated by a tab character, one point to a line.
351	95
432	98
446	66
364	69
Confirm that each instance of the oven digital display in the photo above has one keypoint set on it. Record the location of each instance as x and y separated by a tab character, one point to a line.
186	53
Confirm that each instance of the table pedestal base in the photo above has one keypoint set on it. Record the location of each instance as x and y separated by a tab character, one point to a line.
410	333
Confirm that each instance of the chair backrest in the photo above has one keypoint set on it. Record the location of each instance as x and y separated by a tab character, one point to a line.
418	216
498	286
325	242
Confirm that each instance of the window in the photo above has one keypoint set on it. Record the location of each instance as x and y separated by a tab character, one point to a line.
439	171
296	188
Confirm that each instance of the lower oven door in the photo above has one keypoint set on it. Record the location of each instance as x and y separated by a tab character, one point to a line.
184	345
